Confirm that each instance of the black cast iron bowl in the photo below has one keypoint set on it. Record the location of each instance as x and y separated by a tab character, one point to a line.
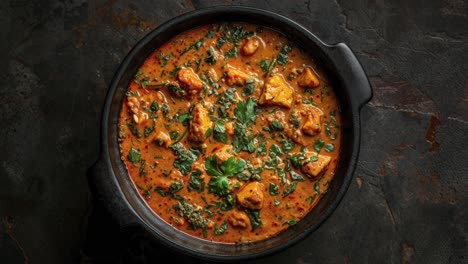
112	187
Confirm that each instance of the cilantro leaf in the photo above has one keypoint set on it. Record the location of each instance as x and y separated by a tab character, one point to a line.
246	112
232	167
219	185
211	166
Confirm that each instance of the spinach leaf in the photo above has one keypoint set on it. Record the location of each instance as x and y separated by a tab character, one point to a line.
186	158
195	182
318	145
254	217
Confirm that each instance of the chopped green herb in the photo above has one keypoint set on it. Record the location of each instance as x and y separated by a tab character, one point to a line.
273	189
136	79
282	175
195	182
219	231
275	151
134	155
261	149
290	189
296	176
254	217
283	55
291	222
174	134
232	53
165	59
276	126
311	198
287	145
249	89
142	170
219	183
197	45
210	33
246	112
220	132
135	131
212	57
185	158
184	118
149	130
193	214
318	145
329	147
317	187
208	132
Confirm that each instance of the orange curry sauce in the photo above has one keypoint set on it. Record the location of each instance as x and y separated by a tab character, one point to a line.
230	132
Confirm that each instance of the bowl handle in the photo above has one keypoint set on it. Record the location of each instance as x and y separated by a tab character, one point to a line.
109	196
353	73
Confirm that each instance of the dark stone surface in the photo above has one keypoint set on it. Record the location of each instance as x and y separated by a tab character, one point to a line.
407	204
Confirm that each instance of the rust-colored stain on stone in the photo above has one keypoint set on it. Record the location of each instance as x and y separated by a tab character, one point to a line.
8	223
407	253
359	182
434	124
119	18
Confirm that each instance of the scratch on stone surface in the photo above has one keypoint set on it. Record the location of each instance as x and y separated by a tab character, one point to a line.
445	38
399	109
389	210
8	223
457	119
345	16
308	5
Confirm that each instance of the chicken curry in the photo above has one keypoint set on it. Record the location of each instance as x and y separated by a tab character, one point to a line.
230	132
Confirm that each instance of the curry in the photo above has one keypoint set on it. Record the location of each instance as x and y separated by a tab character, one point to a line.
230	132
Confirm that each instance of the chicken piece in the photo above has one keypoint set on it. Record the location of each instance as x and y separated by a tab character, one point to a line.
230	128
237	77
189	80
276	91
163	139
308	118
313	122
238	219
224	153
200	123
294	134
251	196
308	79
315	168
250	46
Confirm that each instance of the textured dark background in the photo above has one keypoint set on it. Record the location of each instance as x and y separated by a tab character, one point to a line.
409	198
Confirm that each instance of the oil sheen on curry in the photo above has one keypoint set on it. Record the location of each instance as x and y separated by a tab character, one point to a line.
230	132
